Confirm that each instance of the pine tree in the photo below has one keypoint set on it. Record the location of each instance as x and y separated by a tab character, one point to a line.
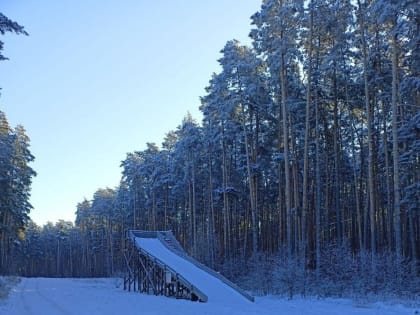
9	26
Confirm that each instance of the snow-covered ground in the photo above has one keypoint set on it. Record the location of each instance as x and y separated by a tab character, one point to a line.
44	296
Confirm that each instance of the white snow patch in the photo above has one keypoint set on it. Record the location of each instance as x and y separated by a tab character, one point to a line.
45	296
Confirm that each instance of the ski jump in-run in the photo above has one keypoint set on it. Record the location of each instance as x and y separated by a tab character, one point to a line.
157	264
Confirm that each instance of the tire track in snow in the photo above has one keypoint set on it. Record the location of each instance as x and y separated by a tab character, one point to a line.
23	298
51	302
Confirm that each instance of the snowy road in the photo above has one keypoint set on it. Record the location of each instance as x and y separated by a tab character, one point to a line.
35	299
44	296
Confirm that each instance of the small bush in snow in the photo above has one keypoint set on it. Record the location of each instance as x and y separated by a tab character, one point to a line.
6	283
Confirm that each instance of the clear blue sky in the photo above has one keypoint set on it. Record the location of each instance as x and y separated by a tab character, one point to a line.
99	78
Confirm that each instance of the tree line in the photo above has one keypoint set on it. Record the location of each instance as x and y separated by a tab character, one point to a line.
308	138
15	174
308	151
15	181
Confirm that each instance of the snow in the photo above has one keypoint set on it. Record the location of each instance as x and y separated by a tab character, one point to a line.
214	288
46	296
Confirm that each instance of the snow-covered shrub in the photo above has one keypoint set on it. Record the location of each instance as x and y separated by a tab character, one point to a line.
6	283
336	271
3	289
342	273
289	276
258	275
275	274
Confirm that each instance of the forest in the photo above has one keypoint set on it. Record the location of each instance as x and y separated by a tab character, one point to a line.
303	176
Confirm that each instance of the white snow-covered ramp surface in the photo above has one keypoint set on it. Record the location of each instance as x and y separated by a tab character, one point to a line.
214	288
43	296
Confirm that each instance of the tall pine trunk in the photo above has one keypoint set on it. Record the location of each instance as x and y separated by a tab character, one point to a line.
286	156
369	132
395	149
252	190
317	194
307	132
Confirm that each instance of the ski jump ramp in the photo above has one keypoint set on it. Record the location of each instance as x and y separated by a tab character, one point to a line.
157	264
